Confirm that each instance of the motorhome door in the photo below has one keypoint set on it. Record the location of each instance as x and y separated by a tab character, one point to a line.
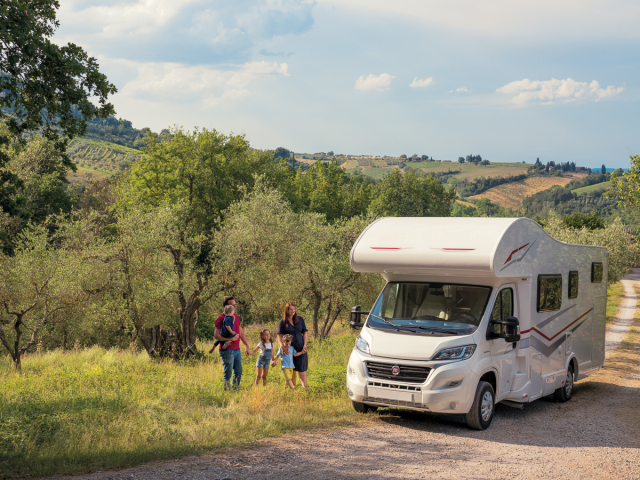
503	353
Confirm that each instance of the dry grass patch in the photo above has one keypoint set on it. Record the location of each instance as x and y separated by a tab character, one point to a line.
510	195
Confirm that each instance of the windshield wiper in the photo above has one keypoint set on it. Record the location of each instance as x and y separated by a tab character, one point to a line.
397	327
437	329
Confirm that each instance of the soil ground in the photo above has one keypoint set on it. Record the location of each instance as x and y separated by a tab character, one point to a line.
595	435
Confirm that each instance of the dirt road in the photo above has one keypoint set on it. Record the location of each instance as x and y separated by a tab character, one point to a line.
595	435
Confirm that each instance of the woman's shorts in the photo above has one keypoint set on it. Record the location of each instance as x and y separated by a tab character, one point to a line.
264	361
288	373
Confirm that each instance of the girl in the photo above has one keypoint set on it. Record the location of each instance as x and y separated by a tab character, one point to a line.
266	356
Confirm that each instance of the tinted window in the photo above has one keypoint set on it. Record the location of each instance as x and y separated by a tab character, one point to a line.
573	284
503	307
596	272
549	292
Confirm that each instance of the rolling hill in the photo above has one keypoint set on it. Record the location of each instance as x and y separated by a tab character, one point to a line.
510	195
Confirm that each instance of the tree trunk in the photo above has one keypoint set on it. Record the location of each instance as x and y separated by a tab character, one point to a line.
330	318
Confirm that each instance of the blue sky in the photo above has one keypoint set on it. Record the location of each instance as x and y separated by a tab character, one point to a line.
511	81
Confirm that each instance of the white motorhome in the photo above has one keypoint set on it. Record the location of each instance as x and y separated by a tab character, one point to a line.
475	311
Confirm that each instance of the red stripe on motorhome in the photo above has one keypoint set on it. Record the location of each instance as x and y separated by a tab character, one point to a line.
534	329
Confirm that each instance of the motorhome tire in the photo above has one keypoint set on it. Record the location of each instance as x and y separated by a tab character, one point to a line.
481	413
564	393
362	407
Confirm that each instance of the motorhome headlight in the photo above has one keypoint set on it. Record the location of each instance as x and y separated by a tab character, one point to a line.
455	353
362	345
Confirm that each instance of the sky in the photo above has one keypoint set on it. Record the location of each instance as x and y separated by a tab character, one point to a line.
512	81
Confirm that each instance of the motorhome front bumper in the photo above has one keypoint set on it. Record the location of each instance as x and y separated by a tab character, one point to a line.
447	388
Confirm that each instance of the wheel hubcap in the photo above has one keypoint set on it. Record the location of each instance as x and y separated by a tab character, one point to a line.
486	407
568	384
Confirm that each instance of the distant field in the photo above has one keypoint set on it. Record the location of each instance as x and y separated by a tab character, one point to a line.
305	160
592	188
469	171
350	164
377	172
510	195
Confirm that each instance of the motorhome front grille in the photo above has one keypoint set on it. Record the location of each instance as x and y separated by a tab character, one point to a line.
399	403
392	386
400	373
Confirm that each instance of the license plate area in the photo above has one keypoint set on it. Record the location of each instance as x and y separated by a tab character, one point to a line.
400	395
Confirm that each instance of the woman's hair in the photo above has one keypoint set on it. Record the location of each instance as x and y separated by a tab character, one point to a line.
294	319
264	333
287	338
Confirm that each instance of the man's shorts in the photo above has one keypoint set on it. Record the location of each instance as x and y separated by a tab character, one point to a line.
288	373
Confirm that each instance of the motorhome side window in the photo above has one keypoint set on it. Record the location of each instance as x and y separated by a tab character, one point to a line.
596	272
573	284
503	307
549	292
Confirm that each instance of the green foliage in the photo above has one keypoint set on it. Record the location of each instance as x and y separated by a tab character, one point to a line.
590	221
203	169
412	194
47	87
94	153
627	188
623	252
482	207
116	130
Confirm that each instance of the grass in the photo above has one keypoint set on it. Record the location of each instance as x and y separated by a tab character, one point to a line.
592	188
96	409
615	293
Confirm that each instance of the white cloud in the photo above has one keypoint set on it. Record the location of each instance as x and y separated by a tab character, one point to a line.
421	83
172	82
540	21
460	89
372	82
552	91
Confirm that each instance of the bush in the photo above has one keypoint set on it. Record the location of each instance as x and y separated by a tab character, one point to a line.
624	253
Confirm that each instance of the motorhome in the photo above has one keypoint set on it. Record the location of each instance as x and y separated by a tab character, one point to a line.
475	311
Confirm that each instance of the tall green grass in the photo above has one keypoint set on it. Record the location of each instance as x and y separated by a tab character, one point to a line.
94	409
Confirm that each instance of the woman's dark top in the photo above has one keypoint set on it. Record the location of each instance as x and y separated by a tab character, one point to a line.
300	363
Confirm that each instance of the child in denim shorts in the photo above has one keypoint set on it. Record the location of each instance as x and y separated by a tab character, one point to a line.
286	361
266	356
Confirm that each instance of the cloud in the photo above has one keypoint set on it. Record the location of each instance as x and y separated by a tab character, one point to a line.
179	83
181	31
542	21
553	91
460	89
373	82
421	83
268	53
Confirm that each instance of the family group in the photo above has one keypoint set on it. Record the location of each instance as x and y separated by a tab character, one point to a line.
292	339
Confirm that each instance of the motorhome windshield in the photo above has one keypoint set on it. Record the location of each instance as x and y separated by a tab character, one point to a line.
429	308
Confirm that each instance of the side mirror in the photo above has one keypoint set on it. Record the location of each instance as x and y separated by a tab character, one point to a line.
511	329
356	320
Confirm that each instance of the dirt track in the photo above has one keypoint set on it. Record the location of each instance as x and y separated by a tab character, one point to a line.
595	435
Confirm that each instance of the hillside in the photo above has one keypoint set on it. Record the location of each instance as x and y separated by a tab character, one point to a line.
510	195
592	188
98	159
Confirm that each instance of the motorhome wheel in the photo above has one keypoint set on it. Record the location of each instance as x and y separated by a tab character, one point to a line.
481	413
564	393
362	407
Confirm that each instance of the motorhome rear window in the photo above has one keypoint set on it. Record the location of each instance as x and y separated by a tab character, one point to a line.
596	272
549	292
573	284
429	308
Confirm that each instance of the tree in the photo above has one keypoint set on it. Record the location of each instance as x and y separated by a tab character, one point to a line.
46	87
200	169
460	159
40	285
424	158
282	152
330	153
627	185
485	162
403	156
412	194
603	169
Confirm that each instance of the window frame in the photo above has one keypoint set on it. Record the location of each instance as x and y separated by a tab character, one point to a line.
543	277
593	271
498	298
577	275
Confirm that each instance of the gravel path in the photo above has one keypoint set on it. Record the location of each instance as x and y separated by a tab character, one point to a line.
595	436
619	328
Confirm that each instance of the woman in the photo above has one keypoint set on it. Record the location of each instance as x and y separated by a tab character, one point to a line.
292	324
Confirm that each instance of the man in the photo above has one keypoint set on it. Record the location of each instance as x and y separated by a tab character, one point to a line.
231	357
